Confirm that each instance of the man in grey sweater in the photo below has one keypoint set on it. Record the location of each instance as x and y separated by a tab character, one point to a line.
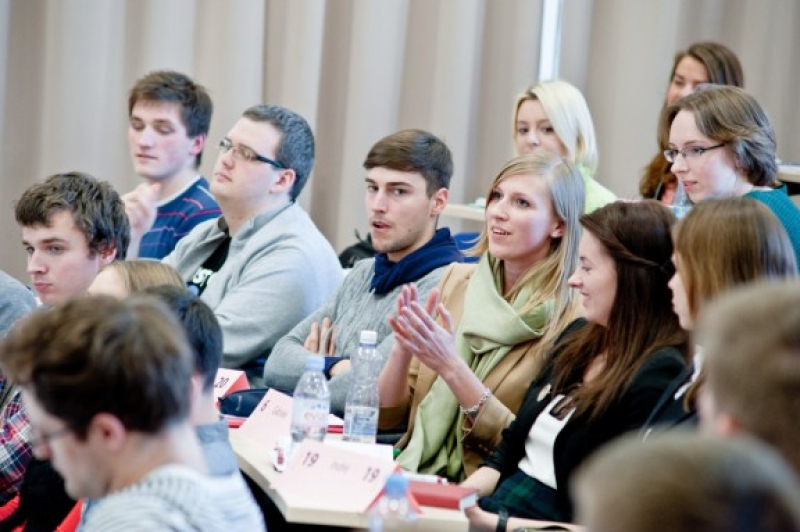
263	266
408	175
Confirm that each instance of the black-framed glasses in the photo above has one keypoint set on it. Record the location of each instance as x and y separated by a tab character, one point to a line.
690	152
39	438
245	154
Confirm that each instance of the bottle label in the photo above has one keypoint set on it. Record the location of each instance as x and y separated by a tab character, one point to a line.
360	424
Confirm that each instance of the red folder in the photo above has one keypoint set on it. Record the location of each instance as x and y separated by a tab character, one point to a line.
443	495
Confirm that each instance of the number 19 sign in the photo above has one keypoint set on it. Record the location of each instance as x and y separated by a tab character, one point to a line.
318	472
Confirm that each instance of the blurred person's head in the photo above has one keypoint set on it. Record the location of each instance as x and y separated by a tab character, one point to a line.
205	337
676	482
102	380
751	344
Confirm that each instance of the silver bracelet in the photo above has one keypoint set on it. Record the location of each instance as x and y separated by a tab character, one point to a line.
472	412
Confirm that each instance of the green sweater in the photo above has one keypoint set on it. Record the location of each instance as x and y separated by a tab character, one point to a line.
784	208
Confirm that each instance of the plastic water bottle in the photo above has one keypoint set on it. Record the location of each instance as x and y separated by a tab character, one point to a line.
392	511
680	202
362	403
311	404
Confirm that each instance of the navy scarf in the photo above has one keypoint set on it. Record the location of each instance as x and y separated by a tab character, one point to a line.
438	251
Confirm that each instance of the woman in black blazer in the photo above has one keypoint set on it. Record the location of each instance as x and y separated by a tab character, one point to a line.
603	377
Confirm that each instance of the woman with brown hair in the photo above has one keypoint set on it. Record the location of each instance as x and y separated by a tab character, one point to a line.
604	374
703	62
719	245
722	145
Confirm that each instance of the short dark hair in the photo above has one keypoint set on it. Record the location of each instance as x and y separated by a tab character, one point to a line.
97	209
100	354
296	148
195	104
414	150
200	325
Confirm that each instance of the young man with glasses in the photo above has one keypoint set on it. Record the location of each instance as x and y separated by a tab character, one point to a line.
263	265
169	117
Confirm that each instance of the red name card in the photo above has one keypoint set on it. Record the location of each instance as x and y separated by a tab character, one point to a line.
229	381
271	419
317	474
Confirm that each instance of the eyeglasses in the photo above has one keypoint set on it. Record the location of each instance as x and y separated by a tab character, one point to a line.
38	438
692	152
245	154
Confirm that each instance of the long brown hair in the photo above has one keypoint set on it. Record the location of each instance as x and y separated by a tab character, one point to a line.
723	68
637	236
723	243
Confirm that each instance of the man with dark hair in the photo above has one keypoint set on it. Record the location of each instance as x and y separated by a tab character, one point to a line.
169	116
72	225
205	337
408	175
107	390
263	265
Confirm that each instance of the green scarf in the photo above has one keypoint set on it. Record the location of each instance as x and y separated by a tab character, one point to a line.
489	329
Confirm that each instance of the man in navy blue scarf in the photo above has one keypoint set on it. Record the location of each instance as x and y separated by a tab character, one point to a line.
407	181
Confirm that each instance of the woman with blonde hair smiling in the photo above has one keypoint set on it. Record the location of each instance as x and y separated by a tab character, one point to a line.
467	373
553	116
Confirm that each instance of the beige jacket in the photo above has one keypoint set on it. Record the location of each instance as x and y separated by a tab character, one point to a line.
508	382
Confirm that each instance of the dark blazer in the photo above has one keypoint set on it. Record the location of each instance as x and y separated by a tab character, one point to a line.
670	412
579	437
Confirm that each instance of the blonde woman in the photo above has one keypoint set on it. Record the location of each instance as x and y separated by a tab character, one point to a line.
553	116
465	375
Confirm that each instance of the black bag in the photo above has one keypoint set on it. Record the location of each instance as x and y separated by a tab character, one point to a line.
241	403
362	249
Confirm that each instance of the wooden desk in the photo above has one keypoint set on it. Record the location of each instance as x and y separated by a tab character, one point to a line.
789	173
254	461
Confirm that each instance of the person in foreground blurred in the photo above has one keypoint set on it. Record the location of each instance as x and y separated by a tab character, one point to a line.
679	481
751	339
107	391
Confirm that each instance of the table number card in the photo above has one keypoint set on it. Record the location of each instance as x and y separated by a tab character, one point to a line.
325	477
229	381
271	419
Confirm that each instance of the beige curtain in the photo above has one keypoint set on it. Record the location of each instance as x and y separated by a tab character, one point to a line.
358	70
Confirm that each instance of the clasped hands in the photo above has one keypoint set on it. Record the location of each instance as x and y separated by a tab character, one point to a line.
417	332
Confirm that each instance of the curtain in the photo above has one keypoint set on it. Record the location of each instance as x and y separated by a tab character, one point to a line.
358	70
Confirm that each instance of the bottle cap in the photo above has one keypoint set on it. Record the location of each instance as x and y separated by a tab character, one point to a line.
369	337
396	485
315	362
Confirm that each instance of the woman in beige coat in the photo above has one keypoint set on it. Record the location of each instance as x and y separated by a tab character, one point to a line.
468	371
